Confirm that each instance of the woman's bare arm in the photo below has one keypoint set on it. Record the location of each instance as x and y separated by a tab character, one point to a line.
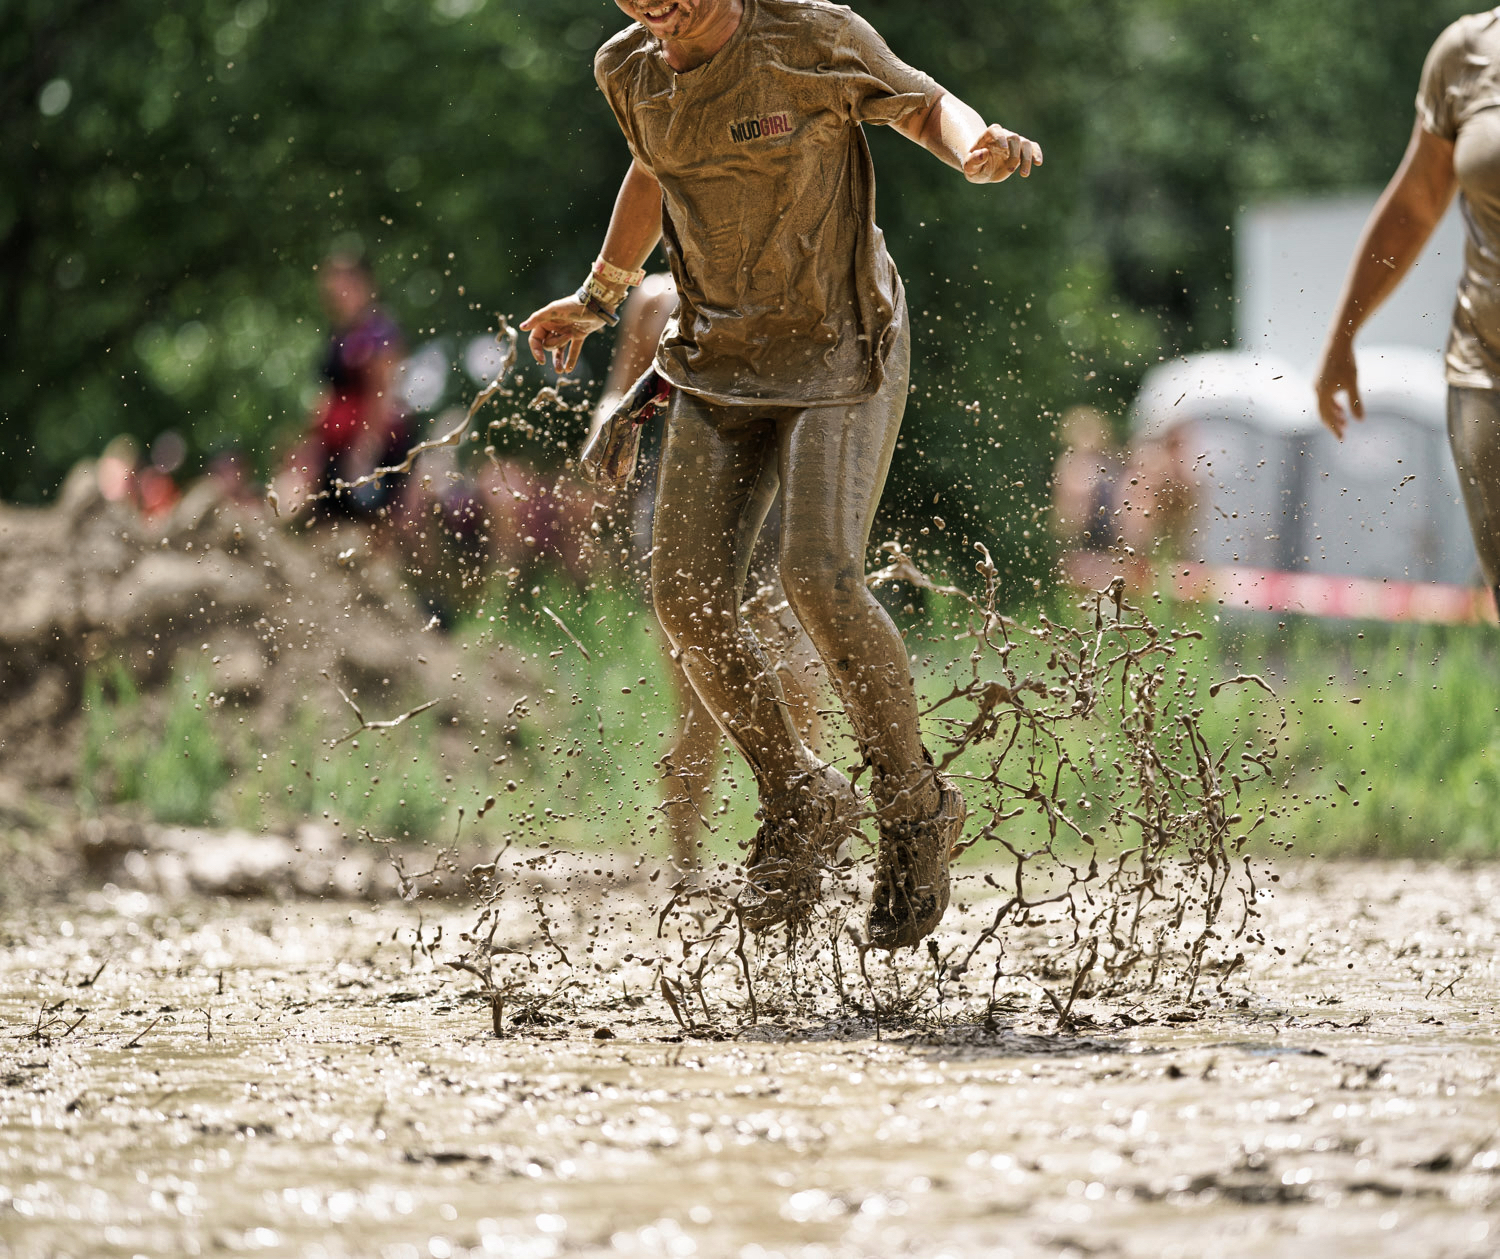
1401	223
642	319
634	228
956	134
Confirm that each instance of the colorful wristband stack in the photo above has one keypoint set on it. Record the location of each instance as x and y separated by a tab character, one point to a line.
618	277
586	296
606	287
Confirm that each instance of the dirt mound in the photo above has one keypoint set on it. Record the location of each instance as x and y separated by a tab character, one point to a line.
264	616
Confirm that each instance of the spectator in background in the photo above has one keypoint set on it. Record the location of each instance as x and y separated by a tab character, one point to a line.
148	487
234	475
1158	496
1105	497
535	521
1085	482
156	481
359	423
117	470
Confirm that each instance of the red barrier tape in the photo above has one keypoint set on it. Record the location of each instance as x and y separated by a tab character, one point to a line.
1307	594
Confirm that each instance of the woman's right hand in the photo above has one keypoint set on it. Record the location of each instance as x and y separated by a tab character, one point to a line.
561	327
1337	374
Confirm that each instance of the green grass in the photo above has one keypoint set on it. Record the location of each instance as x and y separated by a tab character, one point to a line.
1390	745
180	758
172	762
574	765
1409	727
597	729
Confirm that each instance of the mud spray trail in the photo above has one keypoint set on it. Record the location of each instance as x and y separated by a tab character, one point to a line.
307	1080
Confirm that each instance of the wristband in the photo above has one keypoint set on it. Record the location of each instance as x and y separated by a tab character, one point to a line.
618	277
594	305
611	295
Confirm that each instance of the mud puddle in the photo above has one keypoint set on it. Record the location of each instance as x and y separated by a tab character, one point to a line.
208	1077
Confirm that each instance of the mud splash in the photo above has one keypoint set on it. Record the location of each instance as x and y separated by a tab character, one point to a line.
1110	849
202	1077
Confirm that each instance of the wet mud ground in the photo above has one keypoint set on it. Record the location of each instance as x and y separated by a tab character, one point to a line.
197	1076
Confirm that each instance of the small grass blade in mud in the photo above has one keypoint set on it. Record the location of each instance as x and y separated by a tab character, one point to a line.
572	637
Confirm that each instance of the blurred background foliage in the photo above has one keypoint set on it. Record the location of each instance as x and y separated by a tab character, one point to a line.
173	171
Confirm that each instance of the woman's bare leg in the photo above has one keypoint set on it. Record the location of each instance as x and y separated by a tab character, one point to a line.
715	485
834	462
688	771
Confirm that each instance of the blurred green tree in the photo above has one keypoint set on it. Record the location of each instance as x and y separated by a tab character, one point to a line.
174	171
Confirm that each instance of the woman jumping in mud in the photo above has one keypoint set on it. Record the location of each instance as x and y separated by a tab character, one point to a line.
788	363
1454	145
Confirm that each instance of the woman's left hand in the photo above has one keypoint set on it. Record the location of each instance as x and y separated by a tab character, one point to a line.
998	154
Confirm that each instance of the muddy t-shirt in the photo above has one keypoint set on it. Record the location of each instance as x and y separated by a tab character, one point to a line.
786	291
1459	100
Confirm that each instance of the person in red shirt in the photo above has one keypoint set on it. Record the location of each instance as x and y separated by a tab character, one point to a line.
359	423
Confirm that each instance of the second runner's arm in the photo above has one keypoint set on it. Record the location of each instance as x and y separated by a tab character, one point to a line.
1401	223
634	229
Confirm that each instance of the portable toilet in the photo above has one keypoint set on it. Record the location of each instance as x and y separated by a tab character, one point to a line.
1385	502
1241	424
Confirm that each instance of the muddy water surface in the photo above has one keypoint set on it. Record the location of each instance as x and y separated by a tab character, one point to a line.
308	1079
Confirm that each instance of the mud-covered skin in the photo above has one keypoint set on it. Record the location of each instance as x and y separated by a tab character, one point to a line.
696	27
1474	438
690	765
720	469
1455	103
337	1094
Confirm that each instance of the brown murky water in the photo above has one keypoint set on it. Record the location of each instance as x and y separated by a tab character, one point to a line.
308	1079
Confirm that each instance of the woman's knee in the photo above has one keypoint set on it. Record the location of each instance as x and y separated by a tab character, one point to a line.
674	609
824	592
693	610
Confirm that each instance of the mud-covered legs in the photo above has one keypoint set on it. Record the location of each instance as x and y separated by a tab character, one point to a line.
834	465
713	492
689	767
1474	436
688	770
719	471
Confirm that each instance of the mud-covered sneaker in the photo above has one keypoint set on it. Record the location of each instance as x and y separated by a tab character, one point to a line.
911	872
809	834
